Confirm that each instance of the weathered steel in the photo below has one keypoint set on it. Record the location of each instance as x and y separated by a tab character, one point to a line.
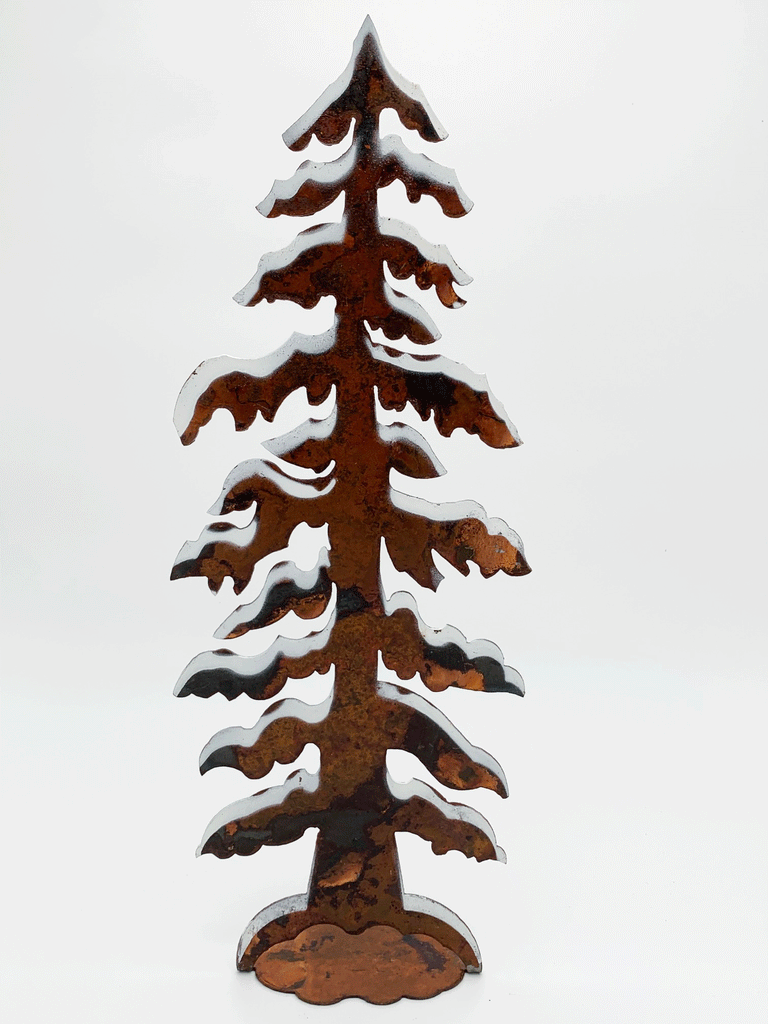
355	932
325	964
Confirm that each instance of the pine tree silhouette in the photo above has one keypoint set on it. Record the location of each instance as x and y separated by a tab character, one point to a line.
355	885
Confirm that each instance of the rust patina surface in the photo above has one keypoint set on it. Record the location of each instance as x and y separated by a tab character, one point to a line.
355	932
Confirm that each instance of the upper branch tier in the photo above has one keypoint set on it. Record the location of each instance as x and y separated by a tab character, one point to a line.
329	259
316	185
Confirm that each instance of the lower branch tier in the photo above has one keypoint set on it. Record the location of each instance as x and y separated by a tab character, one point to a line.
358	825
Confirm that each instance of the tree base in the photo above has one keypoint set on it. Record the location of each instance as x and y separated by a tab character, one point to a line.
325	952
324	964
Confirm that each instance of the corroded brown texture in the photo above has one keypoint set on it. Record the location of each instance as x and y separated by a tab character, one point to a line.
355	932
324	964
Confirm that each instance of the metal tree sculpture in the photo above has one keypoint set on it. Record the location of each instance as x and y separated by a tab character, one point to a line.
355	932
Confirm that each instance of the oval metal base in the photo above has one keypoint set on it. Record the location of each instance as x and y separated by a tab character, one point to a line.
324	964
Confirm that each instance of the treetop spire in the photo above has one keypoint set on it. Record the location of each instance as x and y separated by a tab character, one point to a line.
368	85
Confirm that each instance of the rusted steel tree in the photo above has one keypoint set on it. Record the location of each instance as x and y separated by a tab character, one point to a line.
355	910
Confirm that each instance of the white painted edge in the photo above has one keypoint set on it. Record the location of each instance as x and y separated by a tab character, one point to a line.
422	166
310	430
251	665
237	536
283	572
255	469
271	797
441	364
331	172
392	228
415	702
337	88
456	812
452	635
220	366
391	433
290	707
319	234
451	511
412	309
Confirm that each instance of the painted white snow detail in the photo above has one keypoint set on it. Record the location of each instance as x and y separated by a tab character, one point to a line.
217	533
410	308
394	433
418	165
320	234
329	173
220	366
423	707
310	430
256	469
452	511
273	797
426	364
391	228
284	572
246	666
455	812
472	649
337	89
236	736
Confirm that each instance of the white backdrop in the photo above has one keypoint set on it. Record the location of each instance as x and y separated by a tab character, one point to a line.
616	153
